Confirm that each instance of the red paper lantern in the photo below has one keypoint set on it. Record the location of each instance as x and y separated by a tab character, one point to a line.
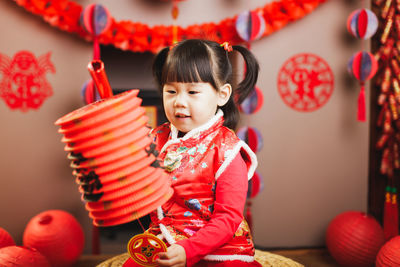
389	254
252	137
250	25
363	67
362	23
57	235
17	256
5	239
354	238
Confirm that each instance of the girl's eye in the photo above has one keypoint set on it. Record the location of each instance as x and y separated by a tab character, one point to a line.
170	91
193	92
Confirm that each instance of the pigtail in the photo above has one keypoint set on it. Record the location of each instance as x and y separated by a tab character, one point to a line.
158	65
246	86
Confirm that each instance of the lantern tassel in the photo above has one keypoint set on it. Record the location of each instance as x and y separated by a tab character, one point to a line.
361	104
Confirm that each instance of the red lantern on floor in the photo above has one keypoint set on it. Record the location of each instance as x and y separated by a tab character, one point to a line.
57	235
354	238
5	239
16	256
389	255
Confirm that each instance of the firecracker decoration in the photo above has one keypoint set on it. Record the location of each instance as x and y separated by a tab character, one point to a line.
387	82
362	66
391	214
305	82
139	37
24	85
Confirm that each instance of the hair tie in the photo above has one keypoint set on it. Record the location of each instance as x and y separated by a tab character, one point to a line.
227	46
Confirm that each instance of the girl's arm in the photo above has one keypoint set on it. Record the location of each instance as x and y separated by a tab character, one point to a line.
229	204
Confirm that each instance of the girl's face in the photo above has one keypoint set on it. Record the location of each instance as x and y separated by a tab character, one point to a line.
190	105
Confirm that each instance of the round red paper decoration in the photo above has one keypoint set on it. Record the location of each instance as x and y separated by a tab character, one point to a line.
253	102
95	19
305	82
251	136
250	25
362	23
362	66
57	235
354	238
17	256
5	238
389	254
256	185
90	93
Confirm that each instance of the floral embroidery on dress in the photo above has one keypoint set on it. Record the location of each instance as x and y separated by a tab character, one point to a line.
172	160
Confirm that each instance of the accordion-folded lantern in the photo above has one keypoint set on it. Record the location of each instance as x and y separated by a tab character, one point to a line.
113	159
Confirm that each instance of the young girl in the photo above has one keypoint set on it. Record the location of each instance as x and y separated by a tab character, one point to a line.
209	165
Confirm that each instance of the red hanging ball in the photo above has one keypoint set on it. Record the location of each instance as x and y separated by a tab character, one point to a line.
57	235
17	256
389	254
5	239
354	238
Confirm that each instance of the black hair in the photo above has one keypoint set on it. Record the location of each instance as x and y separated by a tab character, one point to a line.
195	60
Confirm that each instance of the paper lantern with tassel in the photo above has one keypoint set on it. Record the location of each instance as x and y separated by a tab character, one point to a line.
18	256
354	238
5	238
95	19
389	255
362	23
363	67
57	235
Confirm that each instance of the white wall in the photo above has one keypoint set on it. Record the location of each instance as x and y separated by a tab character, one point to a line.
314	164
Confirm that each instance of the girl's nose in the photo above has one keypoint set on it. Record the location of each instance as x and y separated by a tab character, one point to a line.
180	101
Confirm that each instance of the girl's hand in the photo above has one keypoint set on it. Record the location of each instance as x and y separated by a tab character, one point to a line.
175	256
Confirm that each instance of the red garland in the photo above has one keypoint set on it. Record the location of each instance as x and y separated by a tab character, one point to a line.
139	37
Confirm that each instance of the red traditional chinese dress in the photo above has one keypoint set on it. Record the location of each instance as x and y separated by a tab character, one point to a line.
197	217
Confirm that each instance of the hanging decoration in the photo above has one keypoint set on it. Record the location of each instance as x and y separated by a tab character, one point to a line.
362	23
387	82
252	137
362	66
250	25
94	19
24	85
253	102
139	37
90	93
305	82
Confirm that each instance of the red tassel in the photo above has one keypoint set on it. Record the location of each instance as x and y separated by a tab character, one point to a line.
361	104
96	48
